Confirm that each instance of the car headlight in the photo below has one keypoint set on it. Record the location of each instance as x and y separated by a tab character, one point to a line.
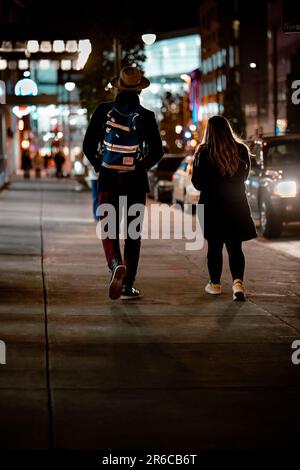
285	189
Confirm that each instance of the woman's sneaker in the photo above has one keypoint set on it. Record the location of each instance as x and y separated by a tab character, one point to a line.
238	290
129	293
213	289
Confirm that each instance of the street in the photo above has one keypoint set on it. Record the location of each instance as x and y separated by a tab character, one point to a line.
177	368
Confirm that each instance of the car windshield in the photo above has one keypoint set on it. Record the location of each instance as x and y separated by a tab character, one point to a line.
283	153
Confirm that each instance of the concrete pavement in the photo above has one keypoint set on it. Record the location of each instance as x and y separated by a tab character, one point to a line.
177	369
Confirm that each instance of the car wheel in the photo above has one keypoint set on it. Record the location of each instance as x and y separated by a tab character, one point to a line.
270	224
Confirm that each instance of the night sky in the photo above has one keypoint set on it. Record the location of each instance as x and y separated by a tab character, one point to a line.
161	16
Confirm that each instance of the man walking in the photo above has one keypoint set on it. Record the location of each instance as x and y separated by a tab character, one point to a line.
130	144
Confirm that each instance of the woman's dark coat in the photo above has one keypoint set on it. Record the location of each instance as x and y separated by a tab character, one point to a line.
227	213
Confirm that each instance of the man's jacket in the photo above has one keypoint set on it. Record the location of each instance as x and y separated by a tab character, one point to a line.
125	102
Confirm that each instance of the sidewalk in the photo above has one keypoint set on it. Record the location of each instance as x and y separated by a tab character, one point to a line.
177	369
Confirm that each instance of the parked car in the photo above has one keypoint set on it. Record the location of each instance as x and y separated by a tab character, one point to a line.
184	191
273	187
160	177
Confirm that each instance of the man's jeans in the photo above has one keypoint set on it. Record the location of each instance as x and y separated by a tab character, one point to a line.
132	246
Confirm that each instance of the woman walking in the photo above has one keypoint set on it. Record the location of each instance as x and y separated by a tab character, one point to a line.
221	166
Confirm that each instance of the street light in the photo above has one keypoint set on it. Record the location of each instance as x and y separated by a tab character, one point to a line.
149	38
58	46
186	78
253	65
33	47
69	86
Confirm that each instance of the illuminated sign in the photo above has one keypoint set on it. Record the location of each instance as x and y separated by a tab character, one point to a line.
26	87
21	111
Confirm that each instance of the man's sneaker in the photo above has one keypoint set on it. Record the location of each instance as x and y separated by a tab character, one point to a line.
116	282
130	293
213	289
238	290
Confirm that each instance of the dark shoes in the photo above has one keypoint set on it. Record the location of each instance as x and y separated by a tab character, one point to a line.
117	287
117	279
130	293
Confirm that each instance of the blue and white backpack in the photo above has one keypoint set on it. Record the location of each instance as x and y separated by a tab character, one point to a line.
121	146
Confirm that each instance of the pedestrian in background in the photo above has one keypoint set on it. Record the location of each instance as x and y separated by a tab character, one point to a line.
47	159
26	163
59	163
221	166
130	143
38	164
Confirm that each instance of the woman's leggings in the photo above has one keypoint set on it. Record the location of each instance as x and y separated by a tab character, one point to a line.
215	259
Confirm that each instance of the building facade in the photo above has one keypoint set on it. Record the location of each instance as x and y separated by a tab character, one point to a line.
283	62
172	65
38	112
249	64
234	65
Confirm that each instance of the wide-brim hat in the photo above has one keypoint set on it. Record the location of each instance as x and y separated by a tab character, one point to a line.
130	79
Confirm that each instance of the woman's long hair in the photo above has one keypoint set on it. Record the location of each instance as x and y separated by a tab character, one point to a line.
222	145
